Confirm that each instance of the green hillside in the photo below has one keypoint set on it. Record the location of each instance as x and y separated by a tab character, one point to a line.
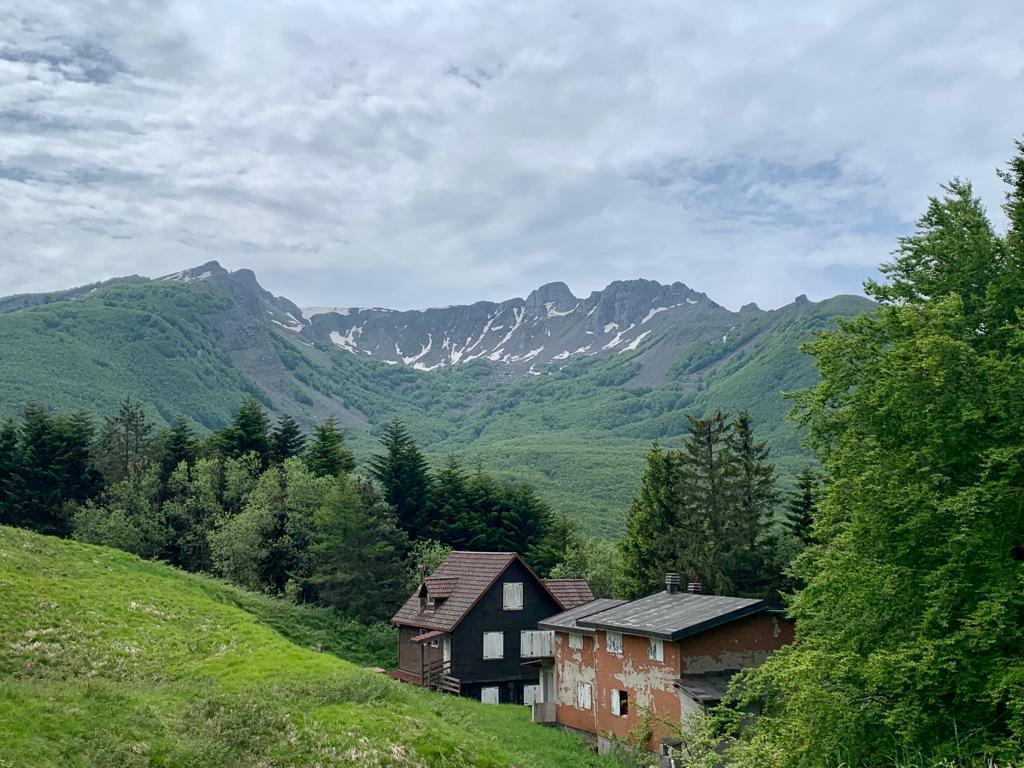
108	660
577	433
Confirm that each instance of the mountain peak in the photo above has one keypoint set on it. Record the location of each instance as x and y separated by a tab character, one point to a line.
557	294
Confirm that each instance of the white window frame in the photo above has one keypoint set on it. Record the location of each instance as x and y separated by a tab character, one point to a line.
490	694
616	702
613	643
512	596
584	696
655	649
496	638
576	641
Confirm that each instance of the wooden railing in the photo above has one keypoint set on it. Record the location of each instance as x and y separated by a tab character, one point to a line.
437	675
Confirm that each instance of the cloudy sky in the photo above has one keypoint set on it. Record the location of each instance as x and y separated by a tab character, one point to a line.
408	154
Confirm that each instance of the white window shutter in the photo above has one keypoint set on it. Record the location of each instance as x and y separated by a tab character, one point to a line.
494	645
531	694
489	695
583	700
615	703
655	649
575	640
614	642
512	595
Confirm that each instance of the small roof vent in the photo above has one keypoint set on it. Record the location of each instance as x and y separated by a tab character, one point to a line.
694	588
671	583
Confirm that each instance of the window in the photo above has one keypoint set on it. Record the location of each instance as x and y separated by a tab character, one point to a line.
489	695
583	700
434	643
655	649
513	596
536	643
575	640
494	645
614	643
620	703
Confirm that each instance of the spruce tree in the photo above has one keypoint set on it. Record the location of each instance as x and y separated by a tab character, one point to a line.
249	432
801	505
10	481
750	546
286	440
648	549
327	454
451	518
708	501
357	552
177	444
402	471
42	504
124	443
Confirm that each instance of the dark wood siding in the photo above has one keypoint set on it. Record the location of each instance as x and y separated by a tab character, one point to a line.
409	659
488	615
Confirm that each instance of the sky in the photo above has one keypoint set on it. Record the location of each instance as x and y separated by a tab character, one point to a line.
411	154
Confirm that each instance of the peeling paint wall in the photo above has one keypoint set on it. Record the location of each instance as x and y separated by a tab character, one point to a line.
648	683
574	666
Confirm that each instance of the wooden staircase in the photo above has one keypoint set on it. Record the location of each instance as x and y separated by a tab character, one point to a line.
437	677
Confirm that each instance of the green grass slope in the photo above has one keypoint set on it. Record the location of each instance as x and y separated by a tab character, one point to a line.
108	660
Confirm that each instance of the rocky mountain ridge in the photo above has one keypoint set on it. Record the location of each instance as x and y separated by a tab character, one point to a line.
548	329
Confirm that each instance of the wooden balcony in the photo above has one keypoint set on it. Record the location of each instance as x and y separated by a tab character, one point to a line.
437	676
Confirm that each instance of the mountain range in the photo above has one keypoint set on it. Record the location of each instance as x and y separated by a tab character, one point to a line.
560	391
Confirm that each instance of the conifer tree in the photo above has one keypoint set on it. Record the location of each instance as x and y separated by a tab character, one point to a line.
177	444
124	443
801	506
451	518
249	432
402	471
10	464
649	545
41	505
327	454
286	440
357	552
750	545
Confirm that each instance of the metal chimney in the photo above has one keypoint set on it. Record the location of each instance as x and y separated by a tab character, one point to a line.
694	588
671	583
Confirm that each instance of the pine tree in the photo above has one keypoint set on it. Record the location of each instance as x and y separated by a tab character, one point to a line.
177	444
451	518
124	443
750	546
42	504
801	506
248	433
10	481
358	552
650	542
402	471
286	440
327	454
709	500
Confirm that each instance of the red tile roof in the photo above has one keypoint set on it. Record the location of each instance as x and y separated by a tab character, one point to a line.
570	592
441	587
469	575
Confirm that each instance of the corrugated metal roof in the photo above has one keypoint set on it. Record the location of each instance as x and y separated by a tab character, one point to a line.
566	622
672	616
705	688
570	592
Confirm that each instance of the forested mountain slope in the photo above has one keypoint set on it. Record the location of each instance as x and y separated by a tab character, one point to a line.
574	422
108	660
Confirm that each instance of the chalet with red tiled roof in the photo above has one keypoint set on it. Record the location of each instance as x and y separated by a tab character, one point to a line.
470	626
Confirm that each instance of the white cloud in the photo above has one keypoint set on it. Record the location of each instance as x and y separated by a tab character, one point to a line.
414	154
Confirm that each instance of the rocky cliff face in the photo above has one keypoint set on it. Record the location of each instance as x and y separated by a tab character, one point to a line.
549	327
